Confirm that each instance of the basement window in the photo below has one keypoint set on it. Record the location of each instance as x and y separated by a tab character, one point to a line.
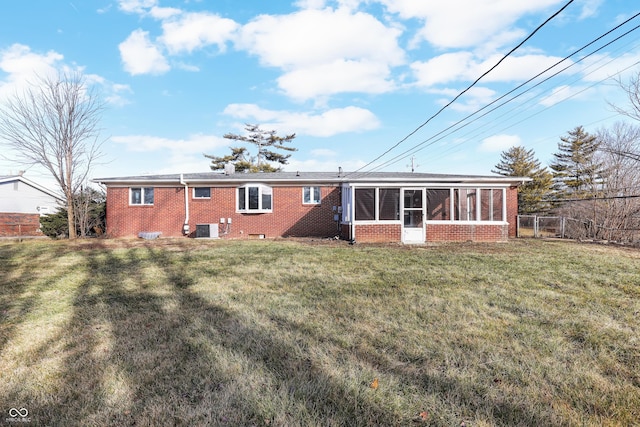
254	199
141	196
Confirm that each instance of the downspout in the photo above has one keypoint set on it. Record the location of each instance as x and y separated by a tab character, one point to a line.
185	227
352	212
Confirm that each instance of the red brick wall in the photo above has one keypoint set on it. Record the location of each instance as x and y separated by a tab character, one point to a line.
378	233
449	232
19	224
290	217
452	232
166	215
512	210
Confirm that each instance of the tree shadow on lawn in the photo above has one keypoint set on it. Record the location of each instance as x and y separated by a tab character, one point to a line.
143	348
459	400
20	288
150	351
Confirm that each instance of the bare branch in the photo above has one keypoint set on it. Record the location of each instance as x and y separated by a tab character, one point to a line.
54	124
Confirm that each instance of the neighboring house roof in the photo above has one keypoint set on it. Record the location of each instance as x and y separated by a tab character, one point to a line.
21	195
12	178
309	177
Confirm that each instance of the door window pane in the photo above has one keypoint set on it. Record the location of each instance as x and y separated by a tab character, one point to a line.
413	218
412	199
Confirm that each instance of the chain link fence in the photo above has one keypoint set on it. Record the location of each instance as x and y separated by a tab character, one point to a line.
535	226
541	226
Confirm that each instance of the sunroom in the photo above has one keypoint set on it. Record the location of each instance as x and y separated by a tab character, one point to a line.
419	213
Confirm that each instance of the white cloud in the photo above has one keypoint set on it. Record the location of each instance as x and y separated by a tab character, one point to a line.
117	94
175	155
318	37
465	23
328	123
339	76
323	52
442	69
140	56
197	143
475	98
602	67
195	30
136	6
310	4
563	93
464	66
499	143
590	8
164	12
23	66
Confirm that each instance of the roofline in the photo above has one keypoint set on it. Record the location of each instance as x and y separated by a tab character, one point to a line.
32	184
345	178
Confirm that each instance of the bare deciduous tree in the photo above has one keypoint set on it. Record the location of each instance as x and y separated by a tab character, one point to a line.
620	154
54	124
632	89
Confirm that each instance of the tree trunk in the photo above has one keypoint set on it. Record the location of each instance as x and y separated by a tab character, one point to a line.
71	217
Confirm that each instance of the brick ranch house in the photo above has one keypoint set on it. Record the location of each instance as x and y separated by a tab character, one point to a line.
22	202
362	207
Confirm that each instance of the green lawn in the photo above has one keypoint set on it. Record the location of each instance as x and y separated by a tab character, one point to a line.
294	333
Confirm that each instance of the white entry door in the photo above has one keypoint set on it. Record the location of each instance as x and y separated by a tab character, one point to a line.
413	215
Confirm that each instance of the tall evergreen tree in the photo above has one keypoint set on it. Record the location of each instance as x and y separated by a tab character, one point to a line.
576	171
532	196
266	142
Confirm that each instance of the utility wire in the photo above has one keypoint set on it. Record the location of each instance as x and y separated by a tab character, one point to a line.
572	95
470	86
458	125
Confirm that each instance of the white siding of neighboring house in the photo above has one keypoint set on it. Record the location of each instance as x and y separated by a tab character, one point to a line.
17	196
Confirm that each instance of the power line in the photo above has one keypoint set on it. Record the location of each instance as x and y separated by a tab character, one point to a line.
459	124
470	86
572	95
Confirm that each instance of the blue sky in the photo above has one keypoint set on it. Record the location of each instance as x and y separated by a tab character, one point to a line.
351	78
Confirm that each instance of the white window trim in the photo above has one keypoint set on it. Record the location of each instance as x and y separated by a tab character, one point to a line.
261	188
312	193
142	191
494	221
201	198
376	202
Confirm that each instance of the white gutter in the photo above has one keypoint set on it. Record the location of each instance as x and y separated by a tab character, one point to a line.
185	227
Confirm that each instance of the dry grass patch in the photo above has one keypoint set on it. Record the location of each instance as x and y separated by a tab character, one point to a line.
292	333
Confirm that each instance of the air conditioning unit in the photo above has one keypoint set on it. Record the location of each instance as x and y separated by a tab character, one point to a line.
207	231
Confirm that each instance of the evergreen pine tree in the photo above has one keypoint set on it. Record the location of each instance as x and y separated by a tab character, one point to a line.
265	141
532	196
576	172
